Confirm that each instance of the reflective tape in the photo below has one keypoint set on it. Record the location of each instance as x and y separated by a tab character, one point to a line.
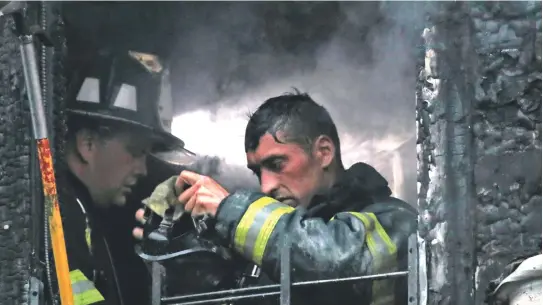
89	91
88	238
256	226
391	247
84	291
127	98
384	257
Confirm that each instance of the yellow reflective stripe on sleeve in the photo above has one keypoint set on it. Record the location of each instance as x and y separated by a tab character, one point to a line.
266	231
84	291
245	223
384	256
256	226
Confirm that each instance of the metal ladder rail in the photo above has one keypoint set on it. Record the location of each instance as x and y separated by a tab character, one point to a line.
232	295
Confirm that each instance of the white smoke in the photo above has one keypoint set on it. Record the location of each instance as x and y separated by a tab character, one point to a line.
367	85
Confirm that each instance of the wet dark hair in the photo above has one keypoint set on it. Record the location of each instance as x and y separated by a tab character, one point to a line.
298	116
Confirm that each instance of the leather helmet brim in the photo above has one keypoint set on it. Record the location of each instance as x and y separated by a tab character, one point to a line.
165	142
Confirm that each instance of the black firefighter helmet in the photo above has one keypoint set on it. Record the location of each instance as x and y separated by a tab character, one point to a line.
134	88
127	87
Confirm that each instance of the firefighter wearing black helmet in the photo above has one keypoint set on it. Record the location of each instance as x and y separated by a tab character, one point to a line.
117	115
341	222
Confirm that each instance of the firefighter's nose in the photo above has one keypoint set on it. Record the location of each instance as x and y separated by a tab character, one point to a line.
268	183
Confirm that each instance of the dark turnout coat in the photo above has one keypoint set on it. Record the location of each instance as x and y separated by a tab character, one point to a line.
355	229
92	272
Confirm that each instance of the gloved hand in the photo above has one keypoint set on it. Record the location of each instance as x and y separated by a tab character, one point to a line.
200	195
163	197
210	268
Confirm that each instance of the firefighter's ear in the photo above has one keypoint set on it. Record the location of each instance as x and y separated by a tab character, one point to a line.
85	142
324	151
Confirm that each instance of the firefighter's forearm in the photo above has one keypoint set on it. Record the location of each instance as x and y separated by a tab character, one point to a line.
254	225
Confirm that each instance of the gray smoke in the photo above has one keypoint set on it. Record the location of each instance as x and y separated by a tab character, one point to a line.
231	177
355	58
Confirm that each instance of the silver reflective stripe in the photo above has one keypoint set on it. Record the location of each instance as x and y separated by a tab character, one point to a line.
82	286
89	91
127	98
83	289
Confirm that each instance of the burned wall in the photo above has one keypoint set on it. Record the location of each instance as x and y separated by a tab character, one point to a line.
21	222
507	134
15	135
479	144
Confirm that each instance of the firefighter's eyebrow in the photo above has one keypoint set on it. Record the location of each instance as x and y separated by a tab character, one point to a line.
272	158
253	167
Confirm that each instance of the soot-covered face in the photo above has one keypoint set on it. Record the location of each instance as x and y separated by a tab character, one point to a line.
289	173
113	165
